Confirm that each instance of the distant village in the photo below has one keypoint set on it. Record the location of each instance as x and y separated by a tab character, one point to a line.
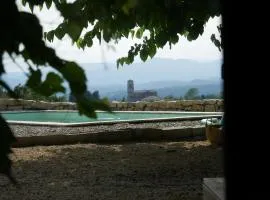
131	95
138	95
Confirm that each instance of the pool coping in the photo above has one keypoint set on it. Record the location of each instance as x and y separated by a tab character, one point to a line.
116	136
57	124
132	121
128	111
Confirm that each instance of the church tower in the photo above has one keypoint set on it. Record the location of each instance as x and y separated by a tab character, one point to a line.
130	90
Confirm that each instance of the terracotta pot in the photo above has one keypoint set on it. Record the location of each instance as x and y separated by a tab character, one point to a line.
214	134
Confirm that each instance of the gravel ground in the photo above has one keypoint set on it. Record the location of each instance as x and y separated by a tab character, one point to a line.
128	171
26	130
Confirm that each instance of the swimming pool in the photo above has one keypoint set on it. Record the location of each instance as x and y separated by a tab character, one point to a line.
69	117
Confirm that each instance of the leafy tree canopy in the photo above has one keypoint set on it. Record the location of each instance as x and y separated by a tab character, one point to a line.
23	92
192	93
161	20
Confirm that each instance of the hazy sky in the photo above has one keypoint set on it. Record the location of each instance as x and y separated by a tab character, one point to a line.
202	49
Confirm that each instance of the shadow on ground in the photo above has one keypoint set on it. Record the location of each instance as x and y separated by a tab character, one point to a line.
164	170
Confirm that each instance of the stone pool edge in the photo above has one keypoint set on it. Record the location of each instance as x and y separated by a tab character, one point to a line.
55	124
122	135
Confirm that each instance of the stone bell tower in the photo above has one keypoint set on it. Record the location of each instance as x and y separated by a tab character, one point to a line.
130	90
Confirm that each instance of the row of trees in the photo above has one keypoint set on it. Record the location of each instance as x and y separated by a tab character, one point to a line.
194	94
191	94
199	97
24	92
88	94
3	92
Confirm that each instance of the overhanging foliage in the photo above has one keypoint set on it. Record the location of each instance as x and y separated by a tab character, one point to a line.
111	20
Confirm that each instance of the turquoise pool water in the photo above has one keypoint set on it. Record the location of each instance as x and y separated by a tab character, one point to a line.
74	117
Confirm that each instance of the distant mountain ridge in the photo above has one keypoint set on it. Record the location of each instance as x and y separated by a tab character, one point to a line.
176	90
167	76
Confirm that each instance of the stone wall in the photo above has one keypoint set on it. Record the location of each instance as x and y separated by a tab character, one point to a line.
212	105
14	104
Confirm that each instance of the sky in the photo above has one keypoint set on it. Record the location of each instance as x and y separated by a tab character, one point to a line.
201	49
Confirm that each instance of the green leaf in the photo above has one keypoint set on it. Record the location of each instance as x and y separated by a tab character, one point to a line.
45	35
54	79
125	9
88	107
89	42
52	84
2	70
74	30
98	37
120	61
192	36
24	2
75	76
161	39
130	58
152	50
25	54
31	6
80	43
50	36
88	38
132	32
129	5
106	36
143	55
185	33
59	32
126	33
174	39
9	90
48	3
216	42
139	33
34	79
40	6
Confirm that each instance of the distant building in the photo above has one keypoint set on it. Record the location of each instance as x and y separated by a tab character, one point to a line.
137	95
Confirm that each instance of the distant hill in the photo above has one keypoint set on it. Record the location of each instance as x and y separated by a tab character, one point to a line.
167	76
181	90
156	70
170	88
